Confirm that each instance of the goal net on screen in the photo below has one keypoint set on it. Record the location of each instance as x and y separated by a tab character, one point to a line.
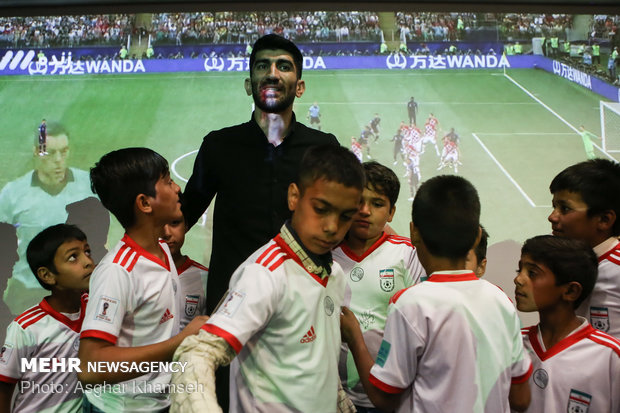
610	126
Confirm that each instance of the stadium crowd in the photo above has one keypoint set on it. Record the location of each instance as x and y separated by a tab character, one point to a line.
455	26
246	27
49	31
299	26
604	26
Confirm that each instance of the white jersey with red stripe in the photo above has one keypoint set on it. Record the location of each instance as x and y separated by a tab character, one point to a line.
430	131
432	121
42	332
284	324
451	344
356	148
602	308
133	302
193	286
388	266
415	138
581	373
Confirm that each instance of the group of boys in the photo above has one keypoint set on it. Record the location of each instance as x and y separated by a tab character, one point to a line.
422	331
145	298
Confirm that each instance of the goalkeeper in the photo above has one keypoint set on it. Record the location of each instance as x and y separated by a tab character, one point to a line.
588	144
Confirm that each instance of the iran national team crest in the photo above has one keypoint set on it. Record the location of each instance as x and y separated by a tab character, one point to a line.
191	303
541	378
599	318
357	274
386	278
328	303
578	402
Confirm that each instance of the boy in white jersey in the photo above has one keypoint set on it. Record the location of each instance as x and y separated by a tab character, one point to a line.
134	312
451	343
59	257
192	275
281	313
376	265
576	368
586	206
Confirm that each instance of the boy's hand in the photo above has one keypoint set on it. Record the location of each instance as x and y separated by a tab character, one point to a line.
349	326
194	326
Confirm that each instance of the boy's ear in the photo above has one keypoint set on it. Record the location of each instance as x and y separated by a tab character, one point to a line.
392	211
143	204
45	275
478	238
572	292
414	234
607	219
482	268
293	196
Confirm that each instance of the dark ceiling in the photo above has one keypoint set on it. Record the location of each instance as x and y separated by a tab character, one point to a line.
51	7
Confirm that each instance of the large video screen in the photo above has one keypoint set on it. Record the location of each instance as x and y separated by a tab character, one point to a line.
517	103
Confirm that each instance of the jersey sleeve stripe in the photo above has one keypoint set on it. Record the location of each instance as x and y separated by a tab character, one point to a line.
133	262
230	339
266	252
28	313
606	341
102	335
613	259
525	377
7	379
278	262
131	254
384	387
33	320
274	254
120	254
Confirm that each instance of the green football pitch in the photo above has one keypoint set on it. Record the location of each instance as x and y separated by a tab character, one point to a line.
517	129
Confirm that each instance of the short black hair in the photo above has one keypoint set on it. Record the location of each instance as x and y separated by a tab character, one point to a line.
332	163
121	175
481	248
383	180
597	181
568	259
273	42
42	249
446	211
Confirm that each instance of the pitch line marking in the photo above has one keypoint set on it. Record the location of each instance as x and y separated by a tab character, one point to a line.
173	167
530	94
527	198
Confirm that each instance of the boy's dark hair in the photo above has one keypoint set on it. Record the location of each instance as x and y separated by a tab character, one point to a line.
273	42
598	183
383	180
121	175
42	249
446	211
481	248
568	259
332	163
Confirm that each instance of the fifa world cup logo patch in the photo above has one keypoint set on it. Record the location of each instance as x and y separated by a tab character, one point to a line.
107	309
386	279
578	402
599	318
5	354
